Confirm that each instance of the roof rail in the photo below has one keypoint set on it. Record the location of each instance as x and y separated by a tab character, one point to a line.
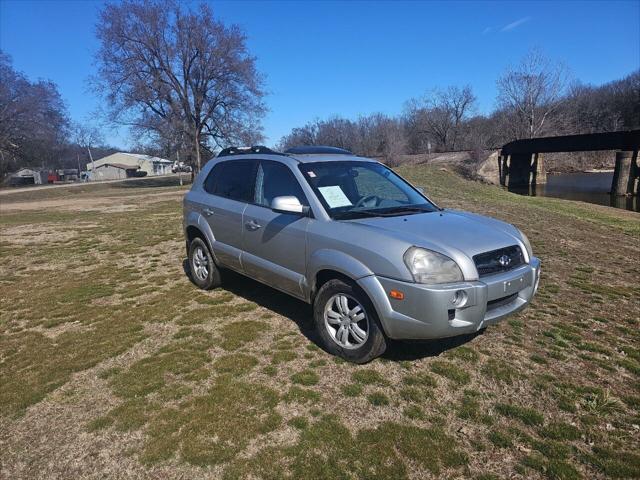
317	149
247	150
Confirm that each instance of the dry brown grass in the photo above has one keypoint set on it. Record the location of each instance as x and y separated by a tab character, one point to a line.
113	365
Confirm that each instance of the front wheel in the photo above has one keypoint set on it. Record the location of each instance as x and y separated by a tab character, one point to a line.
347	322
204	272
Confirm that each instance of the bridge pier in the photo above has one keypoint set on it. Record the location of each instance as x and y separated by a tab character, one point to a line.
625	176
521	169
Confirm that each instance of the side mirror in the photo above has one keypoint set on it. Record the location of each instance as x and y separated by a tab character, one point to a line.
288	204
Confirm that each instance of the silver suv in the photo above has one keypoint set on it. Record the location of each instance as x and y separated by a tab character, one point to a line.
371	253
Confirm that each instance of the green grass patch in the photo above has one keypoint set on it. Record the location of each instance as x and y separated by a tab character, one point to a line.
299	422
466	354
450	371
351	390
326	449
179	359
421	379
236	334
500	439
560	431
378	399
283	356
301	395
305	377
213	428
499	370
367	376
235	364
526	415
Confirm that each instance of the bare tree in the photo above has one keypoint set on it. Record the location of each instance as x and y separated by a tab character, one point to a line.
33	119
529	95
86	136
164	67
441	114
393	143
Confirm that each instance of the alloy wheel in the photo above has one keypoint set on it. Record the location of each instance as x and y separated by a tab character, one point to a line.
346	321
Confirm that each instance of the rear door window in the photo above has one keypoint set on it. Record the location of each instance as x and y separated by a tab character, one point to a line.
233	179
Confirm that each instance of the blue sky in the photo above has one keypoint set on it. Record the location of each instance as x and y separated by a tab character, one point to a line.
348	58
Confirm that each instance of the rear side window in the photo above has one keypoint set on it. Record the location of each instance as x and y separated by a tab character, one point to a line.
276	180
233	179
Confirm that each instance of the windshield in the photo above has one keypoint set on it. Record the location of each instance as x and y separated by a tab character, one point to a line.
360	189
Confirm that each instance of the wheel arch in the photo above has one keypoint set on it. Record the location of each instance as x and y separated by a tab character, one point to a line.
197	227
326	264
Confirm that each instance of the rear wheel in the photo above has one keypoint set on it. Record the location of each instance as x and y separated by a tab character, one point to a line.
347	322
204	272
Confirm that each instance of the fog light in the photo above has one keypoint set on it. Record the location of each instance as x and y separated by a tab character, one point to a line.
459	298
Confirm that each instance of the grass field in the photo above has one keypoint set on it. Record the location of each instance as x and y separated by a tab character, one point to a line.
112	364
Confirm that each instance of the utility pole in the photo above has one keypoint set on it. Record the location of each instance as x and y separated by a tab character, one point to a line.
93	165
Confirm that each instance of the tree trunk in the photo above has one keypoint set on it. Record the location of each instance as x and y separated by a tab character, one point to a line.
198	158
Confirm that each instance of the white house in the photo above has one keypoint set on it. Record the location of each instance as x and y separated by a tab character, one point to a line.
144	163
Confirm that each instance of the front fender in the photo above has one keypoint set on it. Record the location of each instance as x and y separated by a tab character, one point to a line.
328	259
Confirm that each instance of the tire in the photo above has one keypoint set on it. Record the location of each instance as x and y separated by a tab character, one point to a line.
331	322
203	271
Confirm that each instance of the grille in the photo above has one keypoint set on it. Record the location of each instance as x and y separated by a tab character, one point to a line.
489	263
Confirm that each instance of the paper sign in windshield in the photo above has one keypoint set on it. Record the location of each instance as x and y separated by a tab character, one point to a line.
334	196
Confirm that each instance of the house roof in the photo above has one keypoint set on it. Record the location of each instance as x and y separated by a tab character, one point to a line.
124	158
147	157
24	172
118	165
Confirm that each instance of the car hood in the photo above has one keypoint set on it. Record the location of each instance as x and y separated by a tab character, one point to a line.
459	235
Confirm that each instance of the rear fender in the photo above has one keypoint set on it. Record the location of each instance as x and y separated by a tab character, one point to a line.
195	219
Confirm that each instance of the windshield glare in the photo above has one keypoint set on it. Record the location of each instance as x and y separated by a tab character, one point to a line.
355	189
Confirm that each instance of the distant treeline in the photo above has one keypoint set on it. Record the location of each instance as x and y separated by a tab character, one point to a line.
35	130
534	99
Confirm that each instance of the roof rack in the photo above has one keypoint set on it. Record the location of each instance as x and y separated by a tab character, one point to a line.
317	149
247	150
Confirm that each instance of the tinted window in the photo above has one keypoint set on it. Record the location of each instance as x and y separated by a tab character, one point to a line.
210	181
276	180
232	179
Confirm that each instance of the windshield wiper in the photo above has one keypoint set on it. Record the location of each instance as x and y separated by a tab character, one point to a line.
407	208
387	212
356	213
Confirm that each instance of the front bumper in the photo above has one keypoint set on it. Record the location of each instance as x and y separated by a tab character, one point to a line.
429	311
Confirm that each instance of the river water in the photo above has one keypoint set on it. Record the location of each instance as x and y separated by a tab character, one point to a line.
585	187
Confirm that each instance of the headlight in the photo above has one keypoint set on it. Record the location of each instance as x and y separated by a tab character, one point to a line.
527	244
431	267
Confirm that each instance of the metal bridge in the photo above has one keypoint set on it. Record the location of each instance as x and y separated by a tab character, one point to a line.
521	162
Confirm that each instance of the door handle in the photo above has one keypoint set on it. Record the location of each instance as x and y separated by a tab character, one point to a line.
208	212
252	225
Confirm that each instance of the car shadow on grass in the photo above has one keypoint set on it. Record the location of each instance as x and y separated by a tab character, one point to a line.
269	298
416	349
301	314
